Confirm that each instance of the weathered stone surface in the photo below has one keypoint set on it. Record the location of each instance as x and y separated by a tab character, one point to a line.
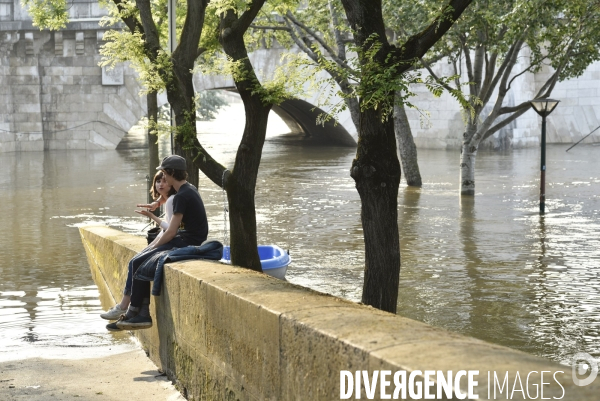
50	81
227	333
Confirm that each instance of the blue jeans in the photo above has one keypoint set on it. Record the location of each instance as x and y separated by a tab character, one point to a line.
141	257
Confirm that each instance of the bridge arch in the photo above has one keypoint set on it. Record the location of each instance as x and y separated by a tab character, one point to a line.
301	118
300	114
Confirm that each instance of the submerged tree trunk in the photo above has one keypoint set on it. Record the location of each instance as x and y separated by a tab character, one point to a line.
468	155
376	171
407	149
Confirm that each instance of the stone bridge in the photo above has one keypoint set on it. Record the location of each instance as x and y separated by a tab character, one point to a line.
53	95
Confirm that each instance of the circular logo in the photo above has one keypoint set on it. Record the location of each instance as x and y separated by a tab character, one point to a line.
584	364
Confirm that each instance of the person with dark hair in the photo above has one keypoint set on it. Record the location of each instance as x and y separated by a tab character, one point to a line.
188	226
160	190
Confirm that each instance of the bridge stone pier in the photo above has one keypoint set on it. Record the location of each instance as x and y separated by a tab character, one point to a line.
53	94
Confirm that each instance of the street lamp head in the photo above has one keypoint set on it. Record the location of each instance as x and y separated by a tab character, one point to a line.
544	106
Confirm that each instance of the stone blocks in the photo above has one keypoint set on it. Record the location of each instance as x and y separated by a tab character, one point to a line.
52	81
223	332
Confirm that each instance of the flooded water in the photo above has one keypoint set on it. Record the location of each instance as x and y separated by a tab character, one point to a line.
489	267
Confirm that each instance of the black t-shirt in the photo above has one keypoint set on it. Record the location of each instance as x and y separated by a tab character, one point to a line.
194	227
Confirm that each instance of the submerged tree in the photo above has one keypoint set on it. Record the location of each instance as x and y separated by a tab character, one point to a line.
497	43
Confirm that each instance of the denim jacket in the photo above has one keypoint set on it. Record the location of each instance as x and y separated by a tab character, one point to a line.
153	268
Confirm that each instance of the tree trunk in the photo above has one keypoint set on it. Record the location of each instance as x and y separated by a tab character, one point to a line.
354	109
376	171
468	155
406	147
153	160
192	168
241	186
152	108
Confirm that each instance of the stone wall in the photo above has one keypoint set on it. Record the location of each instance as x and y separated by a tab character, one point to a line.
439	122
225	333
53	94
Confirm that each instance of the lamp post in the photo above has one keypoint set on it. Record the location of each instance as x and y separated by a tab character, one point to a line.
172	45
543	107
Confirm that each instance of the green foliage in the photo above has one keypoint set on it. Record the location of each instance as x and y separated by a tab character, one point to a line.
560	33
379	79
208	103
219	7
122	46
48	14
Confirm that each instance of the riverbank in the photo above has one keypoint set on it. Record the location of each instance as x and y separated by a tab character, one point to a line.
129	375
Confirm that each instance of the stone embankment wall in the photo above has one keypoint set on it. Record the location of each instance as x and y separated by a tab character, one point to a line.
225	333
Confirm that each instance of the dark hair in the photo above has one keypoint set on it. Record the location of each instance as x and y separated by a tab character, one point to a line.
158	176
178	175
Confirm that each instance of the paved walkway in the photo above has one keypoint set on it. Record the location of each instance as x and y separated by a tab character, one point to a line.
130	375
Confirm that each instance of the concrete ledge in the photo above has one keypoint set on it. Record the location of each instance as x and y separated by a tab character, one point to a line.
225	333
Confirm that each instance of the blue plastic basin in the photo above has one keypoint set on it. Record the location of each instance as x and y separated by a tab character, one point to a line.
273	259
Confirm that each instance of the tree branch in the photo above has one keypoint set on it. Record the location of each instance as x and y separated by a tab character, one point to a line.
486	97
270	27
504	123
132	23
444	85
339	40
457	73
417	45
478	64
467	53
309	52
187	49
506	110
512	60
490	68
244	21
318	39
152	39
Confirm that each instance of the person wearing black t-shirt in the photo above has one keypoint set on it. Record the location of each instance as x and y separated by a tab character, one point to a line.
188	226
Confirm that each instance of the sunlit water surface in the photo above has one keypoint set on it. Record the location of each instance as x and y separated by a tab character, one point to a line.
489	268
